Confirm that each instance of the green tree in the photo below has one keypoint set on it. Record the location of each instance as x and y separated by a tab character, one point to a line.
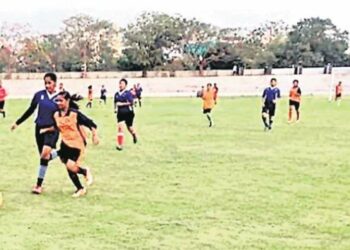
316	42
88	42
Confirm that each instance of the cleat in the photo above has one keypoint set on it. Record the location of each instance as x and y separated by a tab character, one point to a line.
37	190
119	148
89	178
79	193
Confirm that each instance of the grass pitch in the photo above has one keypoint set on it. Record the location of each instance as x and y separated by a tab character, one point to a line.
185	186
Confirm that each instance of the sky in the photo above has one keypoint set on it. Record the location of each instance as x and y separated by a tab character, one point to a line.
46	16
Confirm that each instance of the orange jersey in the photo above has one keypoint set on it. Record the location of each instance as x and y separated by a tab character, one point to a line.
216	91
71	129
90	95
338	90
208	99
3	94
295	94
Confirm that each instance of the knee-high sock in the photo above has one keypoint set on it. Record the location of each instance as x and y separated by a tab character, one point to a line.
75	179
265	121
298	115
82	171
290	114
120	137
209	118
270	120
54	154
42	172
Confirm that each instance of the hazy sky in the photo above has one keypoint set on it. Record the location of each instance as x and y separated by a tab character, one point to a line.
46	16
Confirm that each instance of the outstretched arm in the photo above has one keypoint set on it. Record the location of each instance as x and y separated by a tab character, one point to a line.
26	114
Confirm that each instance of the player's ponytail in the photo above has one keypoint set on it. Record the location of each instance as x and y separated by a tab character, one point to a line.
73	99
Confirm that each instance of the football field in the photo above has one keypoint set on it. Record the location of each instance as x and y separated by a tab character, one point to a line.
184	185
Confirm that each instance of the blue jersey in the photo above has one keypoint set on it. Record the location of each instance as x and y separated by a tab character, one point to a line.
46	108
124	97
271	94
139	91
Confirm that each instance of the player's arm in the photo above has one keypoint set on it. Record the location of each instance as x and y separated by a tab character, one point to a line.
87	122
115	103
299	91
278	96
263	97
27	113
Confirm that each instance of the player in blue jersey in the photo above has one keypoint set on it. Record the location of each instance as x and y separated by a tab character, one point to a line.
123	105
44	102
139	91
269	99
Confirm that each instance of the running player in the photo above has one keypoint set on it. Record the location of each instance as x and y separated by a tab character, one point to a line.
45	102
294	101
270	96
208	103
216	92
133	93
139	91
123	105
103	96
70	123
338	93
90	97
3	95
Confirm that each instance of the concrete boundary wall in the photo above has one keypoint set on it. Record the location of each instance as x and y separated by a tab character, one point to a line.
318	84
168	74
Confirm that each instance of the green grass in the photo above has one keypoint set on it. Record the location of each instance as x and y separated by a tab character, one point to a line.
185	186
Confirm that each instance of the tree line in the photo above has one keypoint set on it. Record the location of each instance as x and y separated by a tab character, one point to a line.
157	41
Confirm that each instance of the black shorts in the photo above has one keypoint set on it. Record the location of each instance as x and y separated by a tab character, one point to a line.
338	96
103	97
2	104
139	97
128	118
295	104
269	108
47	139
68	153
206	111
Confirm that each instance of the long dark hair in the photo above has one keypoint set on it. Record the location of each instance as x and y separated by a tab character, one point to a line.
73	99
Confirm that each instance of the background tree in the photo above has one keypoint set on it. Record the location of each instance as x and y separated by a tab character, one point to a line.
315	42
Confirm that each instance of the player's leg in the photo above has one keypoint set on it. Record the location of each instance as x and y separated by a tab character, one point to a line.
297	111
129	121
265	116
339	100
207	113
272	110
46	145
120	134
71	168
2	111
37	189
290	112
140	103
